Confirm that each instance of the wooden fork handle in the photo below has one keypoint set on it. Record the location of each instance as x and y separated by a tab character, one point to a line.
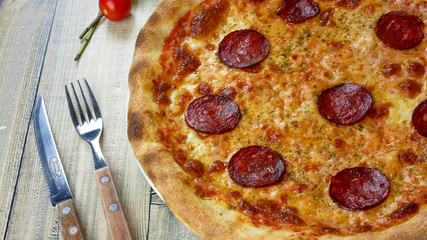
116	221
68	221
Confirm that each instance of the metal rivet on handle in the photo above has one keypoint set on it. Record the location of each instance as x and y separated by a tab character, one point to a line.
105	180
66	210
113	207
73	230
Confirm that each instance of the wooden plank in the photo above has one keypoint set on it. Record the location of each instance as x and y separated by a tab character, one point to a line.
164	225
38	220
105	64
25	28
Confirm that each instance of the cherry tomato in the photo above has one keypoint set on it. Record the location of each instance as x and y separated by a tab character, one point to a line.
115	10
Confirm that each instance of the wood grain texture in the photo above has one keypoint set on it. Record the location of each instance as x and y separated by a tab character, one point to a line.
23	42
116	221
38	43
69	221
32	214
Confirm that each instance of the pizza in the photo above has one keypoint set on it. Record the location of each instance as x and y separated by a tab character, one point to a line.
285	119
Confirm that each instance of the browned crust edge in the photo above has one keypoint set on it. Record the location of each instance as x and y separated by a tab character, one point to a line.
208	219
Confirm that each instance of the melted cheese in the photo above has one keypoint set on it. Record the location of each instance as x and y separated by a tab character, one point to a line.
278	106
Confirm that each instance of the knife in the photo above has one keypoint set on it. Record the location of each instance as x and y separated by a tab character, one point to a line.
60	193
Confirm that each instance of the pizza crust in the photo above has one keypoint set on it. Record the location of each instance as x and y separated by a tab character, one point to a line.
157	163
207	218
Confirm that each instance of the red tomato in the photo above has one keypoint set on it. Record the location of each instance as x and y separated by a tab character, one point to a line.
115	10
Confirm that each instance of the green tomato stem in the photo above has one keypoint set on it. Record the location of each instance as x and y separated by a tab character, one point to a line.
96	20
86	40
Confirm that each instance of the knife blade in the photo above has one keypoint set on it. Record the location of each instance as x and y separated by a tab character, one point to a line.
60	193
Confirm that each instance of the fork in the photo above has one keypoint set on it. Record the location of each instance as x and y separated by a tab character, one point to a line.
89	127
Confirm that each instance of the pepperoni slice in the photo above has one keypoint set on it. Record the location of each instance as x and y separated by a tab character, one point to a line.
256	166
419	118
212	114
400	30
344	104
298	11
243	48
359	188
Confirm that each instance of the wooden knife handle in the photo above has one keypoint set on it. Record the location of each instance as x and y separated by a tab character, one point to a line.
68	221
112	208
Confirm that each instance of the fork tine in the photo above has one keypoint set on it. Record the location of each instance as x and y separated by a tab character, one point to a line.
71	108
89	113
82	116
93	100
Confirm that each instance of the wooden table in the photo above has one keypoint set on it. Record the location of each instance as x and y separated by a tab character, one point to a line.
38	41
